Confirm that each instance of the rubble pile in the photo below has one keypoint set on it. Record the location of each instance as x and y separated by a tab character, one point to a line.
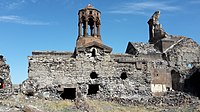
174	98
49	93
29	87
169	99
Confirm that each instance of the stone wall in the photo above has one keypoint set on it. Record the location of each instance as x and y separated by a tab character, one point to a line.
114	79
184	55
5	80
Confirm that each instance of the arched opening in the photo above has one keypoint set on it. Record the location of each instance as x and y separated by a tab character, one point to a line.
93	52
91	26
93	89
175	80
123	76
98	26
83	27
1	83
192	85
69	93
189	65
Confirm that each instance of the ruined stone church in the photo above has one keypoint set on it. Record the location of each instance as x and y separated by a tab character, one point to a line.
165	63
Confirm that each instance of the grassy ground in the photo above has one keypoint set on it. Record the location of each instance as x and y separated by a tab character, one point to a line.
20	101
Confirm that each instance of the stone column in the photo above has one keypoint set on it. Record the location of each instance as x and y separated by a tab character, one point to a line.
83	29
95	28
98	28
86	28
80	29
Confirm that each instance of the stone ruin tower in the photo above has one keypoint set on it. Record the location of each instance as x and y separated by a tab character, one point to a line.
5	81
155	28
89	30
88	25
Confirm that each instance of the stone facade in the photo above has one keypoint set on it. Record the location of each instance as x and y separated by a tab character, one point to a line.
108	76
164	64
5	80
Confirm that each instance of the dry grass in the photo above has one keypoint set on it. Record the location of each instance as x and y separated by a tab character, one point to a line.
56	106
49	106
103	106
91	105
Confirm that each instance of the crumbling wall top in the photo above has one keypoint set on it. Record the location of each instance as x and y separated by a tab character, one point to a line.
52	53
141	48
155	28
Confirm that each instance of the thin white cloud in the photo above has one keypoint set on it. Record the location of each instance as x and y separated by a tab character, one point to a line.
20	20
120	20
195	1
142	7
11	4
15	4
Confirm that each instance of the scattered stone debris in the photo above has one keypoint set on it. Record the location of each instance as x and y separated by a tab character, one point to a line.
169	99
30	108
29	87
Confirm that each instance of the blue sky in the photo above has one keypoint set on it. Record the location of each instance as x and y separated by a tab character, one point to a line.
28	25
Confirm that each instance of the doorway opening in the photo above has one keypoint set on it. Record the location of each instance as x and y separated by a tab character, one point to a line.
176	80
192	85
93	89
93	52
69	93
